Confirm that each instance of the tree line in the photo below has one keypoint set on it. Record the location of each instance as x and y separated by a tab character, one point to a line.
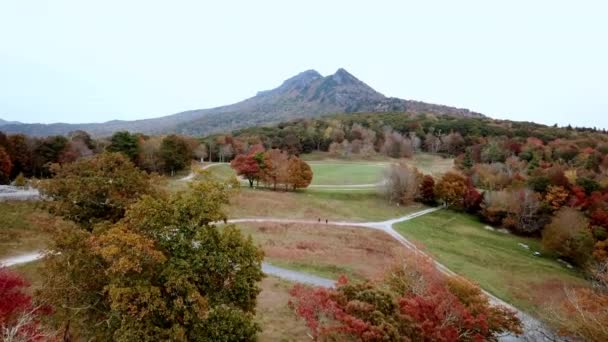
32	157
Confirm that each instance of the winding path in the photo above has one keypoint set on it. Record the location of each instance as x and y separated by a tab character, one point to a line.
534	330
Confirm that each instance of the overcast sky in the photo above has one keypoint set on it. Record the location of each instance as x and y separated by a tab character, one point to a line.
75	61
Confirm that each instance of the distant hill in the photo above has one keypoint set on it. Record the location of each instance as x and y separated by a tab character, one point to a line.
307	94
4	122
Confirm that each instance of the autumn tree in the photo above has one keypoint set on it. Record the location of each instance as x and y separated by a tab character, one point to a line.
47	152
83	137
275	169
19	316
149	155
396	146
96	189
175	153
426	193
125	143
401	183
20	149
569	236
556	196
582	315
163	271
6	166
472	199
74	150
414	302
299	173
451	189
247	166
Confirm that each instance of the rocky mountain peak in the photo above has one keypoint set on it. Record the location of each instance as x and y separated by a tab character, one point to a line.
295	83
341	76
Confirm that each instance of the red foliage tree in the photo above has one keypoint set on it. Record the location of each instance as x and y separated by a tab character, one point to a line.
427	190
579	197
246	166
415	302
599	217
19	318
472	198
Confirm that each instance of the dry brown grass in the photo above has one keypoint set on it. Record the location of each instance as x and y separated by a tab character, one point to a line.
348	206
24	227
326	250
278	322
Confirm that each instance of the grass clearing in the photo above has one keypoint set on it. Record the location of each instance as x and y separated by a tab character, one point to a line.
22	227
278	321
431	164
356	206
346	173
325	251
493	259
328	157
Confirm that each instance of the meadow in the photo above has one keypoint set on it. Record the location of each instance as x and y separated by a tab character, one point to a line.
497	261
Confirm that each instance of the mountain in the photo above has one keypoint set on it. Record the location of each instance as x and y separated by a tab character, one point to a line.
4	122
308	94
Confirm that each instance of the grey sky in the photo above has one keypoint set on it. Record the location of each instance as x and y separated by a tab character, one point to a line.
91	61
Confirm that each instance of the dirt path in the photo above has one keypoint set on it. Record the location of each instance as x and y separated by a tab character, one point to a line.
12	193
192	173
21	259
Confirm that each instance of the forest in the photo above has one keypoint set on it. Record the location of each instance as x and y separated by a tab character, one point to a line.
548	183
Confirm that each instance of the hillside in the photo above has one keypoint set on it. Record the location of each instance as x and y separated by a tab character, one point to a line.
4	122
308	94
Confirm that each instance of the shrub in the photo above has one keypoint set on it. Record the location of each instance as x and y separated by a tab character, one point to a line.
452	189
569	236
401	183
20	181
414	302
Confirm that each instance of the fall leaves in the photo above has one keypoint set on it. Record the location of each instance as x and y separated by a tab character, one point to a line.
274	167
142	264
414	301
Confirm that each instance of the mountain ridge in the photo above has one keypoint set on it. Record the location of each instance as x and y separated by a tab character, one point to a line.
307	94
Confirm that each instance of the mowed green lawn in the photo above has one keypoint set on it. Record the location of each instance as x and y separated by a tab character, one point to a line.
330	173
493	259
346	173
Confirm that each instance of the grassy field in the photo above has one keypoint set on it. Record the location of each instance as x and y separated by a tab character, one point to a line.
493	259
325	173
313	204
331	171
431	164
278	321
327	157
22	226
325	251
346	173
